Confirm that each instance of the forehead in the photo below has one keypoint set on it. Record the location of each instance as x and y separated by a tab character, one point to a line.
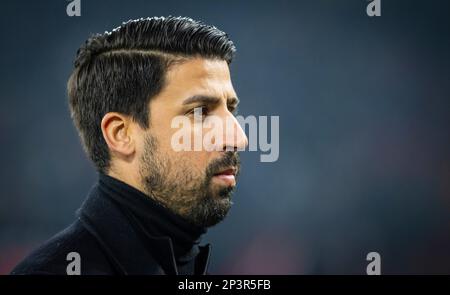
198	76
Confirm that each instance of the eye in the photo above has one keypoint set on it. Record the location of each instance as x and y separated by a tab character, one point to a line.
202	110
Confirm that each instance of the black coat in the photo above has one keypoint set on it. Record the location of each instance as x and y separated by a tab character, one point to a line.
107	245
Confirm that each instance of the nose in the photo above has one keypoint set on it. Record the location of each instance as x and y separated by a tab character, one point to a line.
235	138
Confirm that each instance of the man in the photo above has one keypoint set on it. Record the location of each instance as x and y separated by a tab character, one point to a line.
152	203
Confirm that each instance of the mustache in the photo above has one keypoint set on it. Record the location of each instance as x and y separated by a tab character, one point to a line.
230	159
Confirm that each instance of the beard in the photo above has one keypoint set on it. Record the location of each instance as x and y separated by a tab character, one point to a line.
176	185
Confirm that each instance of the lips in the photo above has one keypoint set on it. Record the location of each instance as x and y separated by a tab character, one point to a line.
228	171
227	176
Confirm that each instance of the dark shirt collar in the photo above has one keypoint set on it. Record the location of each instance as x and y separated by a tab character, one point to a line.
155	219
144	225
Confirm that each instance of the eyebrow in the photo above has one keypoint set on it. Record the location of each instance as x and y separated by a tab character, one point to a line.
206	99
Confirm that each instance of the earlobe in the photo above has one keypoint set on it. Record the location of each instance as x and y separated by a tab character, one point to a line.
116	132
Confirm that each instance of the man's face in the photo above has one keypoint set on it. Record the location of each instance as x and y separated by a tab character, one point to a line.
196	184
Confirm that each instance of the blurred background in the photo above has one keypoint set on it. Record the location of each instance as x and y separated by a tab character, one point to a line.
364	107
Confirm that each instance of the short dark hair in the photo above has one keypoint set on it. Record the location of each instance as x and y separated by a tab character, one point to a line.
120	71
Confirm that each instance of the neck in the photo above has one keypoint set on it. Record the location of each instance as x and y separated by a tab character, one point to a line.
153	217
130	179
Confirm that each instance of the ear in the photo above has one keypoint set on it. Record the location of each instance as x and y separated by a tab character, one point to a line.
116	129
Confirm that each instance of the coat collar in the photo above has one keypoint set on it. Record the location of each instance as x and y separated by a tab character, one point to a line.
104	220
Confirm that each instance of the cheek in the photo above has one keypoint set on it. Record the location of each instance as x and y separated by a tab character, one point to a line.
193	161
